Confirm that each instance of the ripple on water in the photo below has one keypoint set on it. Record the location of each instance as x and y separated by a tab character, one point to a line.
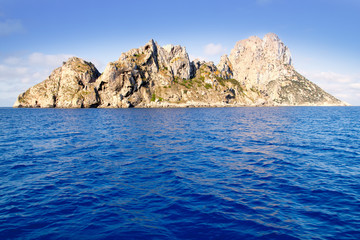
223	173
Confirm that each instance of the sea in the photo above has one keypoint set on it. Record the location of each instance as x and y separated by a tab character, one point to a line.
182	173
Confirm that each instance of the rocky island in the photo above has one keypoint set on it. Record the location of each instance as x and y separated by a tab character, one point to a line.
258	72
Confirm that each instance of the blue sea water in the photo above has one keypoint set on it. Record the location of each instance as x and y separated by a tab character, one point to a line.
200	173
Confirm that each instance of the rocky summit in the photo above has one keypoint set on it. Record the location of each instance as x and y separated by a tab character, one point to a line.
258	72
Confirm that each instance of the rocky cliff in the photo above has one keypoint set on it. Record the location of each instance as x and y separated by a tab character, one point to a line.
258	72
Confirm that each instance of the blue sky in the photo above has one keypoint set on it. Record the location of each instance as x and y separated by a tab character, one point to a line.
37	35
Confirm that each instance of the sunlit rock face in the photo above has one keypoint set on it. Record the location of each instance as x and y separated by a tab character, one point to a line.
69	86
257	61
258	72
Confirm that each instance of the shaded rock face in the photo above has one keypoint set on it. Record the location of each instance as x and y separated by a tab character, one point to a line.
132	79
257	72
177	58
225	67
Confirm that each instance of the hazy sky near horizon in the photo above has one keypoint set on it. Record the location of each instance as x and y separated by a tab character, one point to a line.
37	36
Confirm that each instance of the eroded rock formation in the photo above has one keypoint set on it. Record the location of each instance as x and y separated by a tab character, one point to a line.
258	72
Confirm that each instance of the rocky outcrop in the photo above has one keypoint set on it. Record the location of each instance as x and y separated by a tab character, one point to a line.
258	72
69	86
257	61
265	65
225	67
177	58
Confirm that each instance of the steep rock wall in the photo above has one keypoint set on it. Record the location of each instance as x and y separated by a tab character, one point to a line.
258	72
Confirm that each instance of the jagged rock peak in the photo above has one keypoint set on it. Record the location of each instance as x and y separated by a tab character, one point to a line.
174	49
277	49
73	62
270	48
151	46
258	61
225	67
176	60
168	47
257	72
86	71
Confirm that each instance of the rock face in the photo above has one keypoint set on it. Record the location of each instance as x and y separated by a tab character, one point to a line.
257	72
258	61
69	86
225	67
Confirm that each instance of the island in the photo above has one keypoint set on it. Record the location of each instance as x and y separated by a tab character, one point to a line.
258	72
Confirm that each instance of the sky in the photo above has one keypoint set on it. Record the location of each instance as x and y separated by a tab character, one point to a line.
37	36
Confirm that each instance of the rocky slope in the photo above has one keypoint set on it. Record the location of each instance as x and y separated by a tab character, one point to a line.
258	72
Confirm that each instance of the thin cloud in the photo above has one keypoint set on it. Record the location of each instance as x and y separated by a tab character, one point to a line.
10	26
47	60
214	49
343	86
19	73
356	86
12	61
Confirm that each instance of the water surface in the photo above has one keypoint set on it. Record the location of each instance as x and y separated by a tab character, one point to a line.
202	173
